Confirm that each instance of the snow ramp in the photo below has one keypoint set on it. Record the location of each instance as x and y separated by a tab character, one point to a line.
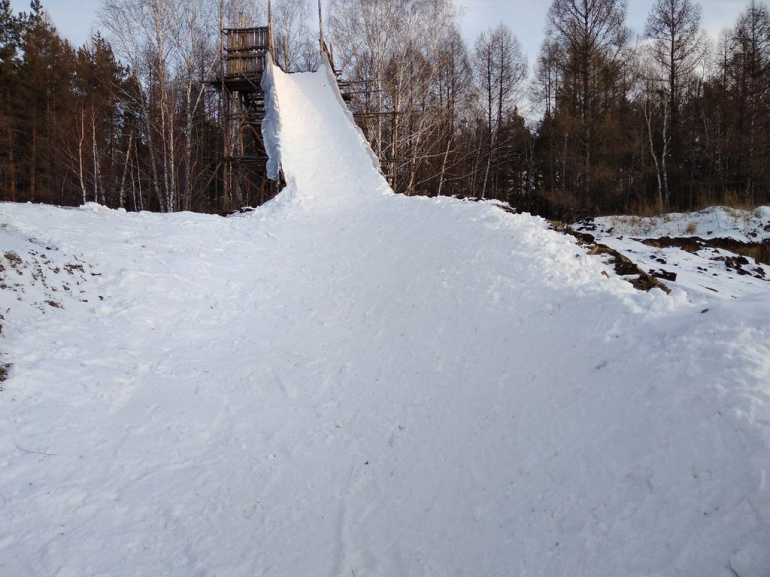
351	382
311	134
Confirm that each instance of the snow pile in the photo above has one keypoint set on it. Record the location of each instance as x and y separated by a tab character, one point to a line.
715	222
347	381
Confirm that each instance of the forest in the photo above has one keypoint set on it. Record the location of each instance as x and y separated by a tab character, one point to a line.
605	120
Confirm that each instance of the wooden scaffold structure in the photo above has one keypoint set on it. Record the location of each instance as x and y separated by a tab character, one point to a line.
243	54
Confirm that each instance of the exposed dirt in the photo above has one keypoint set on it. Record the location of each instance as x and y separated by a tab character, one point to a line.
44	273
13	258
759	251
36	278
624	267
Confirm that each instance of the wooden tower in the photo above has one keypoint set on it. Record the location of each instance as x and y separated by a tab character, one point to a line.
243	54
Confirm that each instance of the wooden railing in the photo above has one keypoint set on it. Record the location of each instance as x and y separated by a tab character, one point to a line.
245	50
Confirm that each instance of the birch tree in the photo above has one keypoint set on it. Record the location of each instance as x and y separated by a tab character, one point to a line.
656	111
393	51
676	47
294	43
196	58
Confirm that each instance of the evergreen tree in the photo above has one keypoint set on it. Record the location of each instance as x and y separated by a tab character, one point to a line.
10	32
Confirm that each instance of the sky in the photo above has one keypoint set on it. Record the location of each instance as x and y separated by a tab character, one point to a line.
526	18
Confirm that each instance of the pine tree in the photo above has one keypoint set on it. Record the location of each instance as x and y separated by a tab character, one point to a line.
10	30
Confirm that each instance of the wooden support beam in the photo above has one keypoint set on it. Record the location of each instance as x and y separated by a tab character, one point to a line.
320	28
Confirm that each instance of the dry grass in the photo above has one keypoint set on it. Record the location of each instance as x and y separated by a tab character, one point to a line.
737	200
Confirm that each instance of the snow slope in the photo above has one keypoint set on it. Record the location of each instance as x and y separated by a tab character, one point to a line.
347	381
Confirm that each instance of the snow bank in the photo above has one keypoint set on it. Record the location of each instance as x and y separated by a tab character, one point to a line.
715	222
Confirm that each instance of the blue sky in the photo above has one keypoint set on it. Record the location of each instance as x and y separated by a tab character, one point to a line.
526	18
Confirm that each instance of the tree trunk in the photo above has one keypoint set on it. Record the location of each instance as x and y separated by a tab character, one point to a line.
394	159
33	165
126	160
95	154
442	176
81	168
11	166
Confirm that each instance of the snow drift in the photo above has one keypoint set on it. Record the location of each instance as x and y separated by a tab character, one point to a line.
349	381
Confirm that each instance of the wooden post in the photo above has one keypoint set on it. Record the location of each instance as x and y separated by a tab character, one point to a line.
225	105
270	40
320	28
394	153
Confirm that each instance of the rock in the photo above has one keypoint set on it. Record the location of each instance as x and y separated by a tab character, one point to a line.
663	274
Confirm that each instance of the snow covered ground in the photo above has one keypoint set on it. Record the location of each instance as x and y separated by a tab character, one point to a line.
714	222
347	381
704	271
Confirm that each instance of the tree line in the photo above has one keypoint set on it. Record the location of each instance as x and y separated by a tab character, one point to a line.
127	122
667	119
608	121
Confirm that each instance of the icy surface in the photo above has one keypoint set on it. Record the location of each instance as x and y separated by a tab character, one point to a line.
352	382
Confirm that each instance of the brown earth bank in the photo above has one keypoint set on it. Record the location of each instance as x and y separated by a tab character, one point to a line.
759	251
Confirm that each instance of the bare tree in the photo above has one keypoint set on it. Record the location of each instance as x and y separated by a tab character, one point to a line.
142	31
678	47
294	43
428	28
750	71
366	34
195	56
656	111
501	70
548	77
455	98
170	48
394	50
243	13
592	39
